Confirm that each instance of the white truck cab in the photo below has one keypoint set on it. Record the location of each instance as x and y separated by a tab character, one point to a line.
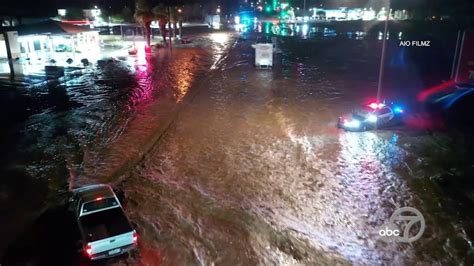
104	227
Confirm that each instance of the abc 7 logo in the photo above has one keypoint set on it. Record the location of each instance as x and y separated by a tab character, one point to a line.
406	225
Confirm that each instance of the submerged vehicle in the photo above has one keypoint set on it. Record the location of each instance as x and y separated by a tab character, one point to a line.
375	115
105	229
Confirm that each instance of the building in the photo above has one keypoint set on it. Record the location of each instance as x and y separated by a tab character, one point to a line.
43	39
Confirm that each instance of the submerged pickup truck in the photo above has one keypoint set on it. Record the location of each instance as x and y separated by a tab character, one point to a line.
104	228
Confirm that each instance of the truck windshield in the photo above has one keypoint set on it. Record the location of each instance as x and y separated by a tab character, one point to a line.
99	204
105	224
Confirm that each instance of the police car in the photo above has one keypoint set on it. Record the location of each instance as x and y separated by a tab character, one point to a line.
374	115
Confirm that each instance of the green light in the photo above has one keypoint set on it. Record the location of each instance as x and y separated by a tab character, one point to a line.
268	9
267	28
274	4
284	5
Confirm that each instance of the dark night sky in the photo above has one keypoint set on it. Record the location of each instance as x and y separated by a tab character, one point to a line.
48	7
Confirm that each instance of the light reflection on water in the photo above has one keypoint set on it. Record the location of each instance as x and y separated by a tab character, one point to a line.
256	149
305	30
250	171
262	151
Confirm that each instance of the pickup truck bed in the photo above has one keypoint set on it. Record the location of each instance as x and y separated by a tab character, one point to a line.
104	224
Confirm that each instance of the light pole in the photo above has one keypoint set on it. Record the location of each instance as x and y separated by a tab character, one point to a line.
180	23
169	16
382	59
9	55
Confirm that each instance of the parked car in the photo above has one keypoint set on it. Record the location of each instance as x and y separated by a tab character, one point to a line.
62	48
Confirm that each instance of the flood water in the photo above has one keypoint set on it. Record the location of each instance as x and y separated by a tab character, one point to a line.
220	163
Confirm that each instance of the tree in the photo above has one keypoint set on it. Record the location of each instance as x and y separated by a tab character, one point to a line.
164	14
161	13
174	18
74	14
127	14
144	16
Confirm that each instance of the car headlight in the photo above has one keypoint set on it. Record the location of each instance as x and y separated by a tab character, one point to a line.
372	119
352	124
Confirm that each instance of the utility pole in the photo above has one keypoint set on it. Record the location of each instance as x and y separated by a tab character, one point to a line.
459	43
382	59
9	54
461	50
180	23
169	20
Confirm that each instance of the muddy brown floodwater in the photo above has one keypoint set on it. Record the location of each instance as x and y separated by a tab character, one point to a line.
238	166
253	171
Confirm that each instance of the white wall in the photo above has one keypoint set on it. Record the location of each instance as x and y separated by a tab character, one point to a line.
3	48
14	45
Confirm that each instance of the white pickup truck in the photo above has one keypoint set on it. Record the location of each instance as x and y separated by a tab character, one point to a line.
104	228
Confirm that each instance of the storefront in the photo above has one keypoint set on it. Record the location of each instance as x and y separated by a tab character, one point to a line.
46	39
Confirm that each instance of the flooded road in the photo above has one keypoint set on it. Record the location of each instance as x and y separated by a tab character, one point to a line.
72	122
223	164
254	171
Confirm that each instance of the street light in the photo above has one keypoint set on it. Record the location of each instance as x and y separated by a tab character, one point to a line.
382	59
218	10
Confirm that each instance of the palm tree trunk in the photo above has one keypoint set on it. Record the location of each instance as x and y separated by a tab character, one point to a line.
163	34
175	27
148	34
169	18
162	24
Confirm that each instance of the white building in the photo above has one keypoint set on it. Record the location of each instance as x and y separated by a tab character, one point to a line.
368	14
344	14
354	14
400	15
329	14
42	40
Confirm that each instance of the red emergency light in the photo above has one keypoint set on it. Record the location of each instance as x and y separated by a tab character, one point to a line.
375	105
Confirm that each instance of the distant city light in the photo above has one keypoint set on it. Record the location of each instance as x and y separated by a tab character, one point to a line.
305	29
62	12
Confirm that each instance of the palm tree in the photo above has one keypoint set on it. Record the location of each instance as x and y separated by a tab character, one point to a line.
144	16
175	17
164	14
161	13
